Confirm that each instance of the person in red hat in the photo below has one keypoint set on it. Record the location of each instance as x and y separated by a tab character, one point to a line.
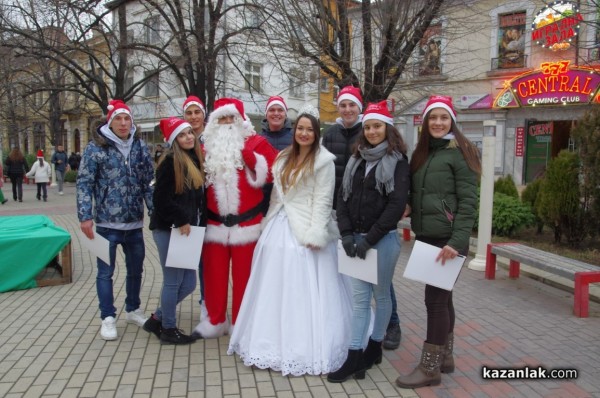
377	174
445	170
179	204
113	183
194	112
42	172
237	166
277	128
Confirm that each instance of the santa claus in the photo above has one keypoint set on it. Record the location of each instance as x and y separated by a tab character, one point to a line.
237	165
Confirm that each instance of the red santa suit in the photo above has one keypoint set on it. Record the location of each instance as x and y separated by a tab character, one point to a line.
234	196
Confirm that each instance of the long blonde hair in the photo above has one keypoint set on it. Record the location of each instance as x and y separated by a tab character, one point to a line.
188	175
289	171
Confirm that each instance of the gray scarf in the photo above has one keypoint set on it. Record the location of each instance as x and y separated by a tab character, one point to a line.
384	171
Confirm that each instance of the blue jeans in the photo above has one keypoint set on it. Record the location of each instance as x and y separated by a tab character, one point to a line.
388	251
60	179
178	283
394	319
132	242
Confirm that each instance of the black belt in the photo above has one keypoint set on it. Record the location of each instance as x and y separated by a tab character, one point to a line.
230	220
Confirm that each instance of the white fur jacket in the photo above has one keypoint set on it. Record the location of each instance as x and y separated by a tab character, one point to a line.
308	204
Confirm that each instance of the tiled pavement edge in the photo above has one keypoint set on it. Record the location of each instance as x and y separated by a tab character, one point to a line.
50	345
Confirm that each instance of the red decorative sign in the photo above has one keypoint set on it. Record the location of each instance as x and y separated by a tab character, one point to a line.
556	25
520	141
555	83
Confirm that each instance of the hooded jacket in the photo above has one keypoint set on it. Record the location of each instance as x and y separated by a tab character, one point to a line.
117	185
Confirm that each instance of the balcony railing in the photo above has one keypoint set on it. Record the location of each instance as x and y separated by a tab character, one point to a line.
509	62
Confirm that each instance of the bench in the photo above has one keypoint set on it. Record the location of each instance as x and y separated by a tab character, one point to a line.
63	267
581	273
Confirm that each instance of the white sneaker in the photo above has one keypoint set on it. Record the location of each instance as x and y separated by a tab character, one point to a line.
108	331
61	193
137	316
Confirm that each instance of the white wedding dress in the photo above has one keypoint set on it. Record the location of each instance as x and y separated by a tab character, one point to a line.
297	309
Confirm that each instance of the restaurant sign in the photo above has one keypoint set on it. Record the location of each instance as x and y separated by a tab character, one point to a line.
555	83
556	25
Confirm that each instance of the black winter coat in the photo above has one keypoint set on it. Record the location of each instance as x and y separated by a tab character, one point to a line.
171	209
340	141
368	211
16	168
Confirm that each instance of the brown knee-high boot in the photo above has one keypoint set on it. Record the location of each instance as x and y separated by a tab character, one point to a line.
448	363
427	373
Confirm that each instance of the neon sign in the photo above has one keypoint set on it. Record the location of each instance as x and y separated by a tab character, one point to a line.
555	83
556	25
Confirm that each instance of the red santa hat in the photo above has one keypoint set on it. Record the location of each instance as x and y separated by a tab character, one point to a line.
351	93
193	100
116	107
171	127
227	107
378	111
440	101
276	100
40	154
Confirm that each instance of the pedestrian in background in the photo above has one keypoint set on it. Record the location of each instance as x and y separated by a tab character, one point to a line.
445	170
371	201
73	161
112	185
16	167
2	200
60	161
41	172
179	204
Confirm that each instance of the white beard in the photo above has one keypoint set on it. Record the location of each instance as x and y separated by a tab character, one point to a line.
223	144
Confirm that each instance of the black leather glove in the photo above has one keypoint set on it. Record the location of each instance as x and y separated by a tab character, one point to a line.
348	244
361	248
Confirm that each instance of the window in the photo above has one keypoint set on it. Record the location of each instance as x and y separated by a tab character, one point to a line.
511	40
430	51
324	84
151	86
128	83
296	83
152	30
252	76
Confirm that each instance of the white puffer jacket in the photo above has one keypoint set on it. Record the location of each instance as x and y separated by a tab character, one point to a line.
40	173
308	205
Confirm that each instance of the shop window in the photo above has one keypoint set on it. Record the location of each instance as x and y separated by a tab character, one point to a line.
511	41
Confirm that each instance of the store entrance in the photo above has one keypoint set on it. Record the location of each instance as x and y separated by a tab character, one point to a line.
545	139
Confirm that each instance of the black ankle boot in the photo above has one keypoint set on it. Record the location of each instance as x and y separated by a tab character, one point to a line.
352	366
153	325
175	336
373	354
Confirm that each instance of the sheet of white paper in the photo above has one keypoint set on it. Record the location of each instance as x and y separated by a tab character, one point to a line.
422	267
355	267
99	246
184	251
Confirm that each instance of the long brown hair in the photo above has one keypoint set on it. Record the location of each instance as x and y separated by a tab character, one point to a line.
392	135
187	174
289	171
466	147
16	154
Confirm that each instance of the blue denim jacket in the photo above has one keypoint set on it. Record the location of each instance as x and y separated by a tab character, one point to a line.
118	186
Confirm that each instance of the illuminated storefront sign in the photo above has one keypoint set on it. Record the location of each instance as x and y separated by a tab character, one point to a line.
556	25
555	83
520	141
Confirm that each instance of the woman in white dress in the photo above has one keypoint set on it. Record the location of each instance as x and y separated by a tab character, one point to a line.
296	312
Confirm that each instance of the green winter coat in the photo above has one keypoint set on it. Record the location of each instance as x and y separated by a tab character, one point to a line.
444	196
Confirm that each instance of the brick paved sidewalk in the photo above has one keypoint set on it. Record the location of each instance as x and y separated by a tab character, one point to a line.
50	343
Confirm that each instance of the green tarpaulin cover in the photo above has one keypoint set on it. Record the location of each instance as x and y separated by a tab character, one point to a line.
27	244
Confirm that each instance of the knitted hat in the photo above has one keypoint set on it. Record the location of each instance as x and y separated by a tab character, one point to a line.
116	107
227	107
193	100
440	101
276	100
171	127
40	154
378	111
351	93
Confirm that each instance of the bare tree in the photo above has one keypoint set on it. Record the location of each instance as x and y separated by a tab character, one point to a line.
368	42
